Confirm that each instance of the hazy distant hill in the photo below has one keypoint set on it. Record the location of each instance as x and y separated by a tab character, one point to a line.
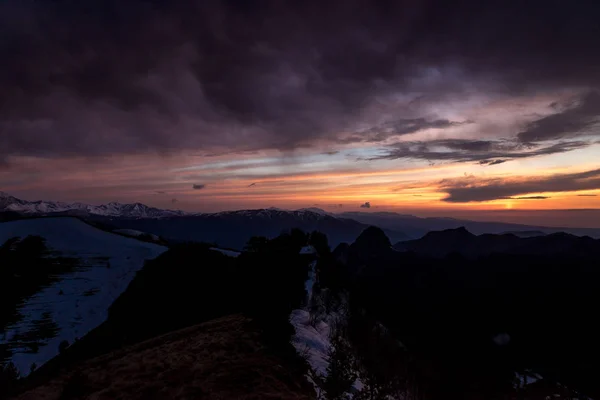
417	227
461	241
234	228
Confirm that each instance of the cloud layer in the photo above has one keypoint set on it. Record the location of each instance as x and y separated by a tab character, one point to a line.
579	119
392	129
472	189
485	152
251	104
114	77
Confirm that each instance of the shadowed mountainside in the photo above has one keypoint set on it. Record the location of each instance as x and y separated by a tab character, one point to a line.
476	310
233	229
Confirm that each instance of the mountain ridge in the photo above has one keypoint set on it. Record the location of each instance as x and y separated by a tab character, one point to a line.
230	229
45	207
410	225
461	241
417	227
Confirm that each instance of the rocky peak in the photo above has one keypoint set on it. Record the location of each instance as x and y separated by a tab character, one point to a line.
372	240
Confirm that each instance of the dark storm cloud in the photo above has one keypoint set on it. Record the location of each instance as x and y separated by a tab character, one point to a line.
492	162
96	77
527	198
582	118
471	189
366	205
485	152
398	128
198	187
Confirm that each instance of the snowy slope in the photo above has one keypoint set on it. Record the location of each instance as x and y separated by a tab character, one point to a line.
310	340
228	253
135	233
79	301
308	250
316	211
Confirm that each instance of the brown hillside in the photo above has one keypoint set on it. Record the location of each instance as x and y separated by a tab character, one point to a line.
220	359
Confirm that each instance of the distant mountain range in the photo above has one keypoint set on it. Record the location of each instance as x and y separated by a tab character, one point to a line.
233	228
230	229
135	210
417	227
461	241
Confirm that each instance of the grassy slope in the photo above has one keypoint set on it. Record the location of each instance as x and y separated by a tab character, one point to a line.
220	359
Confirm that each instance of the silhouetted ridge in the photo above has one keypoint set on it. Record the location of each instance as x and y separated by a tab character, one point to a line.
461	241
458	234
371	241
524	234
340	253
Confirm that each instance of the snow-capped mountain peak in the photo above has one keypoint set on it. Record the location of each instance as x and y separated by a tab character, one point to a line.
315	210
272	212
139	210
112	209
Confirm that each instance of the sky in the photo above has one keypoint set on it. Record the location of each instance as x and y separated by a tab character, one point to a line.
428	107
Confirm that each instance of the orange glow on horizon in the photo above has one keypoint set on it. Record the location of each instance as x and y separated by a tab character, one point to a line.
406	188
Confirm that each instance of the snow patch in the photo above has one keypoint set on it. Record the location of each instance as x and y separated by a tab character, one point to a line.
308	250
309	283
315	210
311	340
79	301
228	253
313	343
134	233
527	379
